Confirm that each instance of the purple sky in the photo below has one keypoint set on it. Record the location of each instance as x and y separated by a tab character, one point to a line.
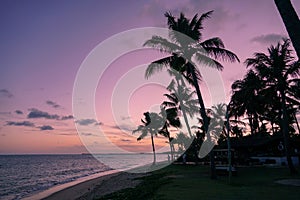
43	44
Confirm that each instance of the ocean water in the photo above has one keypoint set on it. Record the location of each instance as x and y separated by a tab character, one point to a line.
25	175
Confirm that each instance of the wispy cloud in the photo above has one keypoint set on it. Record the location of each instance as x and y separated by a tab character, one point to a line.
124	127
23	123
5	93
53	104
46	128
86	122
268	38
67	117
88	134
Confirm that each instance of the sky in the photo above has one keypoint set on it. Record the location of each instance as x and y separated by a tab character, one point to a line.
44	44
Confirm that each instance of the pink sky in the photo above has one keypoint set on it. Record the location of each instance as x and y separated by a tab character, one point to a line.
44	43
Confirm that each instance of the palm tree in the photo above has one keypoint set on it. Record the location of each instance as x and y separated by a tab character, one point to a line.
172	119
182	99
183	49
291	22
277	69
152	124
246	99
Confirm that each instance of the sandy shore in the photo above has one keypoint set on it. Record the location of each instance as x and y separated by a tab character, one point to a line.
105	183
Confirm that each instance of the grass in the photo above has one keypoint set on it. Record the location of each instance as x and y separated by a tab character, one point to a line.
193	182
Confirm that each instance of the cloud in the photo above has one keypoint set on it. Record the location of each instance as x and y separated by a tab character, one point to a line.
19	112
125	118
86	122
53	104
67	117
6	93
125	140
124	127
268	38
35	113
23	123
88	134
46	128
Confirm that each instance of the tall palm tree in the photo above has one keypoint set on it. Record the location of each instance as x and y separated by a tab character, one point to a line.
152	124
278	69
291	22
183	49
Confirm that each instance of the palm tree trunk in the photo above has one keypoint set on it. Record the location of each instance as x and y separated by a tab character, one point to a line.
213	174
251	124
229	147
285	130
291	22
171	148
153	149
183	112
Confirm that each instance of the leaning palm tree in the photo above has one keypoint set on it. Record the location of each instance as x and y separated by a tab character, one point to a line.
152	124
184	49
291	22
279	70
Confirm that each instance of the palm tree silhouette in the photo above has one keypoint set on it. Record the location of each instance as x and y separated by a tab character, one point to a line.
181	98
183	49
277	69
152	124
247	99
172	119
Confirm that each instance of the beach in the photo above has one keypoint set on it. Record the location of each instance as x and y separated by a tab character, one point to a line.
106	183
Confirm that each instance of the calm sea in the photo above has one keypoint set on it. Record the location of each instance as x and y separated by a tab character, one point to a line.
24	175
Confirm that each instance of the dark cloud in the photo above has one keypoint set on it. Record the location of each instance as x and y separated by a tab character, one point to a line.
86	122
23	123
19	112
53	104
46	128
35	113
268	38
6	93
67	117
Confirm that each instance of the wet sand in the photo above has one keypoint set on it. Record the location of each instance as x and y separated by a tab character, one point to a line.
94	187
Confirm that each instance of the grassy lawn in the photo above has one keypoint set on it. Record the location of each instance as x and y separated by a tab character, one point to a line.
193	182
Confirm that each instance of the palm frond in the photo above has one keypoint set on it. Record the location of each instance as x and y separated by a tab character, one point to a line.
207	61
212	42
157	66
162	44
221	53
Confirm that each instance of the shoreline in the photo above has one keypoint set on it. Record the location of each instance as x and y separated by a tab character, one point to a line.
82	184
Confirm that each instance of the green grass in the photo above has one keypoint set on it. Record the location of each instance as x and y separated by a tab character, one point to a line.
250	183
193	182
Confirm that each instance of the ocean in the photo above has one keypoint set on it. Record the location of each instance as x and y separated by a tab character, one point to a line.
25	175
